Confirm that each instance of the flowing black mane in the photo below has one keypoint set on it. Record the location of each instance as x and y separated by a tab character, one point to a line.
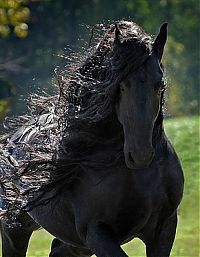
65	131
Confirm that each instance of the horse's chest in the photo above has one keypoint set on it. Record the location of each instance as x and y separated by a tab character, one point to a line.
131	219
122	194
140	200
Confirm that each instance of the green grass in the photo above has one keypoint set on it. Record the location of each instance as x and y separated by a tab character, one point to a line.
184	134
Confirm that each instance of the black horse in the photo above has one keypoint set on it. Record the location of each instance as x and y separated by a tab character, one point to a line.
107	171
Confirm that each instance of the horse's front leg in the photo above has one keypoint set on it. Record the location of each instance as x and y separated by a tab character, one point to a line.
15	238
57	248
14	241
162	243
60	249
102	241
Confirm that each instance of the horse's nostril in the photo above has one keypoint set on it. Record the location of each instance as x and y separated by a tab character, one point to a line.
152	153
131	157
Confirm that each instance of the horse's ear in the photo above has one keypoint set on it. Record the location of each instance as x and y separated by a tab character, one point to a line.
159	43
117	41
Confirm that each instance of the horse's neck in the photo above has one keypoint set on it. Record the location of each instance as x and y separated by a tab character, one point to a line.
160	139
109	129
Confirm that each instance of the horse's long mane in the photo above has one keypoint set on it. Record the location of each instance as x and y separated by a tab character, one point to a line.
66	132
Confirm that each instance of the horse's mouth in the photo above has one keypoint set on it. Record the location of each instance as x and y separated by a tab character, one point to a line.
138	164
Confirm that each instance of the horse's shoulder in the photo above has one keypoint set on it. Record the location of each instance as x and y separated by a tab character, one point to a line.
173	164
172	175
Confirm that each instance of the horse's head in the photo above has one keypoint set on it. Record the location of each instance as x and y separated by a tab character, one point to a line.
139	104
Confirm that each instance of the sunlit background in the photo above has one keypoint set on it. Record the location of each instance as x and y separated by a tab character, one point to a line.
37	35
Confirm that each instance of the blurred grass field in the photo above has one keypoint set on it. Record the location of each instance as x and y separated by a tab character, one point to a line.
184	134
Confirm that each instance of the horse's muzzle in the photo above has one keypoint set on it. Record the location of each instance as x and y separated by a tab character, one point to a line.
139	161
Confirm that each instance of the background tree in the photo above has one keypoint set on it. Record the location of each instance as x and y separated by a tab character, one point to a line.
53	27
14	15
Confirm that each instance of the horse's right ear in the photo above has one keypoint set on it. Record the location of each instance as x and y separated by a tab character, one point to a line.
117	41
159	43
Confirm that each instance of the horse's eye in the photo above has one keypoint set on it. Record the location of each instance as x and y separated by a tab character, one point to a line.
123	87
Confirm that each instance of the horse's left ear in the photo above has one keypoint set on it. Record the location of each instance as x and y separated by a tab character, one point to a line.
159	43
